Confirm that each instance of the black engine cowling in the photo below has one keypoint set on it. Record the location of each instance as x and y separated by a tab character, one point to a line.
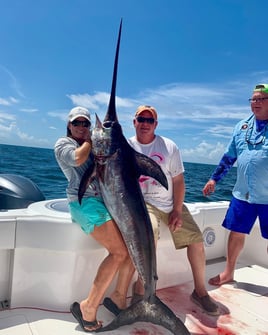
18	192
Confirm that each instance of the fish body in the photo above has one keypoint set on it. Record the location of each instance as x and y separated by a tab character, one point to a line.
118	174
118	168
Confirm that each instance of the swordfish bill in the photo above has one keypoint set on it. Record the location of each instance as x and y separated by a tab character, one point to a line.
118	168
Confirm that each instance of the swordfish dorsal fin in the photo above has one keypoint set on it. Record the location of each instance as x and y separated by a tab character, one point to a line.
111	112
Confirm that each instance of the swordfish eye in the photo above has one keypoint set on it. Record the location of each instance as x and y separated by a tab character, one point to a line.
107	124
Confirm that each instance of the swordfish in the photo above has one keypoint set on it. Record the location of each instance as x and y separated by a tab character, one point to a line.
118	168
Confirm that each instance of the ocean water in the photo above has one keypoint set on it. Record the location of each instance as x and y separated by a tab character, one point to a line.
40	166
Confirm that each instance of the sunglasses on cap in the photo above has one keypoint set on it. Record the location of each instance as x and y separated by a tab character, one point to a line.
142	119
77	123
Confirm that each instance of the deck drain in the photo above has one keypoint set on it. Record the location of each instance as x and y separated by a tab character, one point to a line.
4	304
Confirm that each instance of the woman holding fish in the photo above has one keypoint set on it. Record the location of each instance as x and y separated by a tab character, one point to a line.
73	154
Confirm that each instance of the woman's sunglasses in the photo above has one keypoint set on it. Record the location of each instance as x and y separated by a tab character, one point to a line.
77	123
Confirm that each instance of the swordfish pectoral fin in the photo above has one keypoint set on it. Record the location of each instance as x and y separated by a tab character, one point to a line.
152	310
85	181
148	167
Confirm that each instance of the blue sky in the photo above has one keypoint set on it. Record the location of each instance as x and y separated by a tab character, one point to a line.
195	61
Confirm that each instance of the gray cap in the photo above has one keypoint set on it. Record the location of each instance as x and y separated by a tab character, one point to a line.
78	112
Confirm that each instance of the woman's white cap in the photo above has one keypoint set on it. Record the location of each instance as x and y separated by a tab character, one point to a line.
78	112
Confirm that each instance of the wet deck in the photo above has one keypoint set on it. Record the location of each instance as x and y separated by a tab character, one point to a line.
243	310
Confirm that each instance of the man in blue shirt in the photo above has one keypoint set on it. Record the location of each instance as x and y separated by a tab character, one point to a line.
249	148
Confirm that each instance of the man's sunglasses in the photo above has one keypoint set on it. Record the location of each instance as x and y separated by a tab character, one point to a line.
77	123
254	100
142	119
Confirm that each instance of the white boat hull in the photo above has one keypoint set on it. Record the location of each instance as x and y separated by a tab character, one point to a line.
47	262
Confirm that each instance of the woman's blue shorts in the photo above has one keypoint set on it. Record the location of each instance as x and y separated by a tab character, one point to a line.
92	212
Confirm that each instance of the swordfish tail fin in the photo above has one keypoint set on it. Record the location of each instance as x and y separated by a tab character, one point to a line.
152	310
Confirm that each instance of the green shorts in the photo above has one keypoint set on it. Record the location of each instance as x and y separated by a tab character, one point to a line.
92	212
189	233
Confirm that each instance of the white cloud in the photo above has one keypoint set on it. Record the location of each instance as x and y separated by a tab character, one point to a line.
29	110
62	115
199	117
204	153
4	102
220	131
10	80
7	117
98	100
8	101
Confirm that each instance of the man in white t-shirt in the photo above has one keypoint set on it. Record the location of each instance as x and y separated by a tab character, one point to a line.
167	205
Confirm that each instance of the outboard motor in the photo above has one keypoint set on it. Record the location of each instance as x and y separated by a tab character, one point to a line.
18	192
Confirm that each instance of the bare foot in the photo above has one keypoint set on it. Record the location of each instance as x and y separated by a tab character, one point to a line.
88	312
87	326
220	280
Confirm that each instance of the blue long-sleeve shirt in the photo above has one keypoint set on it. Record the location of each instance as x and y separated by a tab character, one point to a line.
249	147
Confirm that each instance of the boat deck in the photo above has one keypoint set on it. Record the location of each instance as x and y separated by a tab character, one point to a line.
243	310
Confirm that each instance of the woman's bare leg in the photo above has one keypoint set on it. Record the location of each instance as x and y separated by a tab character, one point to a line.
125	275
109	236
